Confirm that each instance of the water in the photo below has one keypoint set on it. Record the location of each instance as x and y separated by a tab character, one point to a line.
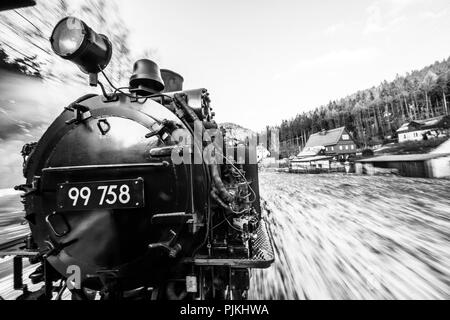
355	237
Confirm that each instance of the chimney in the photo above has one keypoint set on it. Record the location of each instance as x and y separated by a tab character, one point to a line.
172	81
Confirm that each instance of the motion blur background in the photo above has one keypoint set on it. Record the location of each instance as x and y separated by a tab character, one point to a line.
35	84
263	61
336	236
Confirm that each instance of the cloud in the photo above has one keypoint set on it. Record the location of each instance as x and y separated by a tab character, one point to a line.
330	61
333	29
374	21
341	57
396	6
384	15
432	15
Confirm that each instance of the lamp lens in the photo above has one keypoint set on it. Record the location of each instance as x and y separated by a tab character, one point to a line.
68	36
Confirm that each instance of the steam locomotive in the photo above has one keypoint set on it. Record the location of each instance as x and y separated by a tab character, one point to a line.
137	193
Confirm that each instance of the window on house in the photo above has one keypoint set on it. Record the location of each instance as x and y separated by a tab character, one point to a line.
332	148
340	147
346	147
352	147
345	137
404	136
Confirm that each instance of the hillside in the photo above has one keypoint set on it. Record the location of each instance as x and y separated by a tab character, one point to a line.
236	132
374	114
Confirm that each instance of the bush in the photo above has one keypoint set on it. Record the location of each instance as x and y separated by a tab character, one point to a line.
367	153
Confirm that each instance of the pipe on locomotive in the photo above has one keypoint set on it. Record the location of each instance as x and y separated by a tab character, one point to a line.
225	196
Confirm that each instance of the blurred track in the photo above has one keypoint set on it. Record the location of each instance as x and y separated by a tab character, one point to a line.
12	230
12	222
356	237
6	278
336	236
10	207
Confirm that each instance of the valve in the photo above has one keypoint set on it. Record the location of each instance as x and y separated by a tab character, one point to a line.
167	245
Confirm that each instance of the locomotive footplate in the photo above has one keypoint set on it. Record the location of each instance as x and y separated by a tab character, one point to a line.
15	247
262	254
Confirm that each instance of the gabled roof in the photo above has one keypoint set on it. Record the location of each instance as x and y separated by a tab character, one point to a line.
325	138
314	158
409	126
405	157
310	151
430	123
442	121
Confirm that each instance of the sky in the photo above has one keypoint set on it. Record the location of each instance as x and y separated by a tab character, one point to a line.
264	61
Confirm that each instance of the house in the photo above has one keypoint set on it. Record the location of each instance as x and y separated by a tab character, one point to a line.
322	150
314	163
416	130
429	165
336	143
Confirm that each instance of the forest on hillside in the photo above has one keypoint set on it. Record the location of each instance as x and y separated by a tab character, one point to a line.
373	115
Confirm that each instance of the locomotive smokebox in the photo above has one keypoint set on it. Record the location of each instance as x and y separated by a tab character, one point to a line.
146	78
172	80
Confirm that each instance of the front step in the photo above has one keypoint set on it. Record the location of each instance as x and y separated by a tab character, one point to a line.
261	249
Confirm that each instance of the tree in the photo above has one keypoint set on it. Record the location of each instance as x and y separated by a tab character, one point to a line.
357	111
443	84
402	92
376	112
427	84
414	87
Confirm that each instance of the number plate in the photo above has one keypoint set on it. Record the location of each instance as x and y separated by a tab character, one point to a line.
111	194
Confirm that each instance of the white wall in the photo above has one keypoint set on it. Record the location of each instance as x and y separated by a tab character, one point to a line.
324	164
439	168
411	136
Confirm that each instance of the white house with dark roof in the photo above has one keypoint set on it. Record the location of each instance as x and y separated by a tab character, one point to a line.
323	149
333	142
415	130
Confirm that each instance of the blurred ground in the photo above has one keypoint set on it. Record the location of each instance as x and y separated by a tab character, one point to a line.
356	237
11	215
336	237
11	227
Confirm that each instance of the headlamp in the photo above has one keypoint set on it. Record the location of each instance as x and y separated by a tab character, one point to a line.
73	40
